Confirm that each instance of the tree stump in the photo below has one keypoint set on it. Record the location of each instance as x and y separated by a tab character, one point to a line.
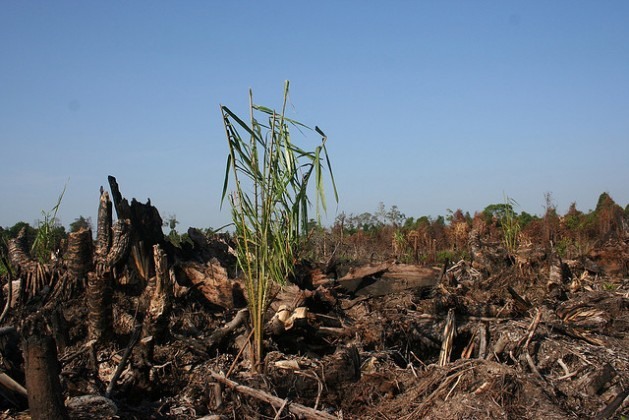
45	399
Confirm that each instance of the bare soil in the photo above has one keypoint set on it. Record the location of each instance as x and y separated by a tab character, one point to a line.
527	336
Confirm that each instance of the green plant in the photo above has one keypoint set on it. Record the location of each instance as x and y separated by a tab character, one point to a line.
270	202
174	237
610	287
81	223
400	245
510	226
562	246
49	232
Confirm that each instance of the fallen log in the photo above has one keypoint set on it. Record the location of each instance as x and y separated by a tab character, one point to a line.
9	388
387	278
297	409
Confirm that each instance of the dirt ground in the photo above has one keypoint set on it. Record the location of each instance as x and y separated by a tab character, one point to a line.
534	337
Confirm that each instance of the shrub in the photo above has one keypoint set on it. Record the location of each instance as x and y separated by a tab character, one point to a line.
270	175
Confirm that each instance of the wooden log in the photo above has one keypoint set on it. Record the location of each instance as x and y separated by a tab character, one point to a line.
8	384
297	409
369	270
387	278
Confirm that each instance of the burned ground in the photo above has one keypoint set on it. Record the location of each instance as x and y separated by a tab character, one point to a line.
528	336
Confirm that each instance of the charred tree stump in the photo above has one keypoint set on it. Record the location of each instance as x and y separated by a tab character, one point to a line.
35	278
146	224
120	244
22	261
157	299
79	262
155	303
79	257
159	290
99	298
42	369
103	229
18	250
100	314
112	248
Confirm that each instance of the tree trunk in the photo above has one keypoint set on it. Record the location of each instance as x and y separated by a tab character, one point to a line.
45	398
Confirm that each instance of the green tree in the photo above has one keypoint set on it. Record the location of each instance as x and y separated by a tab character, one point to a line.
497	212
81	223
14	230
525	218
173	236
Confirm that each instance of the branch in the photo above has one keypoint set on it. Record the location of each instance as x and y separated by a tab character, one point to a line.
297	409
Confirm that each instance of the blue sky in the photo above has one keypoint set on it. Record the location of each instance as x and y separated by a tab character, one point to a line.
427	105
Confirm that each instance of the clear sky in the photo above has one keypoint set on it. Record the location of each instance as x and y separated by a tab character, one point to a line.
428	105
